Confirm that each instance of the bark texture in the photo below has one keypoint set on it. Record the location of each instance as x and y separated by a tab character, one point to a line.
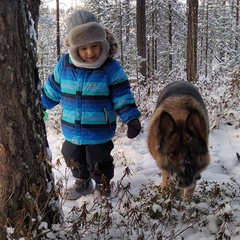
192	40
24	174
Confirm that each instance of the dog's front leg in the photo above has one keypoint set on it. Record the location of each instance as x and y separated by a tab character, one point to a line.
165	179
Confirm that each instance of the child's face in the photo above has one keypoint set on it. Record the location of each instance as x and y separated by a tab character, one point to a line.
90	52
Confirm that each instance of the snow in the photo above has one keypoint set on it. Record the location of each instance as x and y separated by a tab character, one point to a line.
222	175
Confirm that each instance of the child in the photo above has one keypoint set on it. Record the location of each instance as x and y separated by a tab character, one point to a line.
93	89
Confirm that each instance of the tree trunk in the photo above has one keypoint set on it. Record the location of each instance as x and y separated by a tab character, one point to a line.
151	63
58	30
141	35
25	194
207	41
121	33
170	37
237	25
192	40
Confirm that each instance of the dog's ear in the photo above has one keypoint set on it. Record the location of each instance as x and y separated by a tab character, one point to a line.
166	125
195	125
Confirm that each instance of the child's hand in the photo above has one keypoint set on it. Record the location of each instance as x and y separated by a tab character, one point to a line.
134	128
45	116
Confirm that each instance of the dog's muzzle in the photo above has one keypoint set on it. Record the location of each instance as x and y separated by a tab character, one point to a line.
185	181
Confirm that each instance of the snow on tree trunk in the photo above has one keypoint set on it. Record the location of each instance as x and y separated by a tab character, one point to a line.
25	194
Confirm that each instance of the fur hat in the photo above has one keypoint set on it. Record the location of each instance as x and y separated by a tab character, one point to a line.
82	29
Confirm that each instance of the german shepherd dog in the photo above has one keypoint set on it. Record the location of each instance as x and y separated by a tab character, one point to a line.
178	136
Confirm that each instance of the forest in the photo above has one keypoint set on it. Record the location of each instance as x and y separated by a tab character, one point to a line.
164	26
167	50
160	42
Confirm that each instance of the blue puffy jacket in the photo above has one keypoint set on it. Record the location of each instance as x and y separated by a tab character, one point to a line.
91	100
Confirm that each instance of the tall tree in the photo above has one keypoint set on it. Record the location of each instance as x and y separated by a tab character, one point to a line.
141	34
192	40
121	32
237	25
27	194
58	30
152	39
170	35
207	40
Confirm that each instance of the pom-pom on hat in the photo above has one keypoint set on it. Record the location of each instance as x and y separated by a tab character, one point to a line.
82	29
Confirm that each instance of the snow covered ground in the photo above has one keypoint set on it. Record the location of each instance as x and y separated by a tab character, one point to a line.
224	169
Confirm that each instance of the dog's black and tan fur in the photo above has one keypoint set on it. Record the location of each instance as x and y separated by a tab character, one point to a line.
178	135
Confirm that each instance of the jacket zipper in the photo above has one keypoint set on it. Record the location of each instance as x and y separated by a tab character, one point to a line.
107	119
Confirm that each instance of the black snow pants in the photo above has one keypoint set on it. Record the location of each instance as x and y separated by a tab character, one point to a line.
89	161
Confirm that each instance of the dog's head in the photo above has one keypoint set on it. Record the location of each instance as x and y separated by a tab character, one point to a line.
183	150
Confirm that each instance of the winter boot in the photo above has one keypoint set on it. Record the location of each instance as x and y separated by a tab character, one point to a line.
104	189
81	187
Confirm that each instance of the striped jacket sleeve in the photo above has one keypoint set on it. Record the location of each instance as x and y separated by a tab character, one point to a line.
51	91
122	97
